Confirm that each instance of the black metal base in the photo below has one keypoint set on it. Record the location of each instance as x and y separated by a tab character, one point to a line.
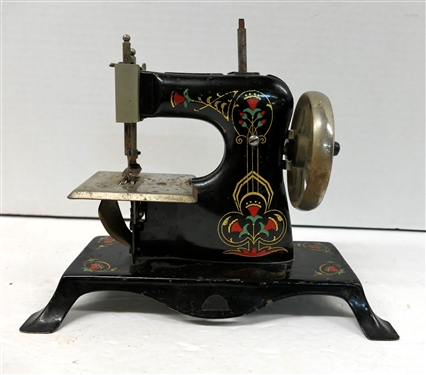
188	287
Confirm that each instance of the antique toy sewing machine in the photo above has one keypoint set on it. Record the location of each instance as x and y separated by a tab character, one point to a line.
220	245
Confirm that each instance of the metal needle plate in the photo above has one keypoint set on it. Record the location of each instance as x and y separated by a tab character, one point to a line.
150	187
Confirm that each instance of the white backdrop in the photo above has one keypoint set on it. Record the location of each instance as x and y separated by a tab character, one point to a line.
58	120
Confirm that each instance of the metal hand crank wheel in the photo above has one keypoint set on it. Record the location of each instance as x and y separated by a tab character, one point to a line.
310	149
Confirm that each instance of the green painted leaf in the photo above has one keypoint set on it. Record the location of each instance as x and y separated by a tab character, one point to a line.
248	110
186	95
254	219
245	231
262	229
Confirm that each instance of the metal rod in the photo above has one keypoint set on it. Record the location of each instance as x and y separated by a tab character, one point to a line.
127	57
130	130
129	138
242	47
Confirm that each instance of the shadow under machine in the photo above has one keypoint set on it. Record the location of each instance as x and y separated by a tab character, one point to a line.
221	245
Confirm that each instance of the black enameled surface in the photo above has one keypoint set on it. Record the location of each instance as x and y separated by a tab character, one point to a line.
191	230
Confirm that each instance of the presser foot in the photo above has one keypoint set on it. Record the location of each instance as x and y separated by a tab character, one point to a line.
207	289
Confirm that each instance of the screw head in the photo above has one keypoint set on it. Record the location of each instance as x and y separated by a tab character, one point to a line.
254	141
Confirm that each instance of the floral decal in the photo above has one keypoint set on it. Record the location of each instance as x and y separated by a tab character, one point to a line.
221	103
96	265
329	268
255	229
105	242
177	98
315	246
252	116
250	111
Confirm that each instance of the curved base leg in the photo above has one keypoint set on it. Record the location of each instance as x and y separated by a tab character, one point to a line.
374	328
50	318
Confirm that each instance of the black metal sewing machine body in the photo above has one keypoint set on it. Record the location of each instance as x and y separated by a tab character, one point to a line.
242	213
227	234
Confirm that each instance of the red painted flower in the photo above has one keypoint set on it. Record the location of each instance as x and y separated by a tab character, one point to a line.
94	267
178	98
236	227
271	224
253	210
333	269
252	102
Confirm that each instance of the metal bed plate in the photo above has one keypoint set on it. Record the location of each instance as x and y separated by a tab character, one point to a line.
150	187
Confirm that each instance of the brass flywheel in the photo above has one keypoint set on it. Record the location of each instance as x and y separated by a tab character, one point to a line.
310	150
